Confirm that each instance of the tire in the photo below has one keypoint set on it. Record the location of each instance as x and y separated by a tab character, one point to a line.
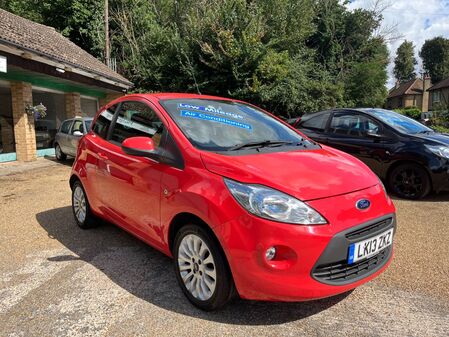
409	181
81	208
60	156
198	259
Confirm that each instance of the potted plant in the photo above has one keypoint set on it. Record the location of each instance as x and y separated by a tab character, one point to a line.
38	111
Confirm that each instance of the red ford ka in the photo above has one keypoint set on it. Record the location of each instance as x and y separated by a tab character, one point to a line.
244	204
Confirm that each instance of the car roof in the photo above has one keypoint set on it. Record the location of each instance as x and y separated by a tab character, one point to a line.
368	111
174	95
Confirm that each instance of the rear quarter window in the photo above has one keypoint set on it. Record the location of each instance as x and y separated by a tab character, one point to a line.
317	123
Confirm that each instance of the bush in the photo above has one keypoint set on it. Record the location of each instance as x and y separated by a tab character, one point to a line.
411	111
440	128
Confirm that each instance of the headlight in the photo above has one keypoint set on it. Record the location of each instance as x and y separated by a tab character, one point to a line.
439	150
274	205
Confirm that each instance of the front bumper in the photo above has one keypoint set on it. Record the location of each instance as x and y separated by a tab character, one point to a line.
302	250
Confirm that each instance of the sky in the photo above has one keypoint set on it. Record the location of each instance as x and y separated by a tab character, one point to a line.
416	20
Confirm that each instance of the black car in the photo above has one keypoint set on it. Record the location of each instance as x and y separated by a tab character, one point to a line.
409	157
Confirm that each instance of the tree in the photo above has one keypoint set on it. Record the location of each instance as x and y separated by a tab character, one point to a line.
435	56
405	62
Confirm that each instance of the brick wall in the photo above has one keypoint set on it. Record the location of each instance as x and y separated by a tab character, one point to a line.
21	94
72	104
109	97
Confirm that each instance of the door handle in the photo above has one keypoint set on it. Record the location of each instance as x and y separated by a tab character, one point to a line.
102	156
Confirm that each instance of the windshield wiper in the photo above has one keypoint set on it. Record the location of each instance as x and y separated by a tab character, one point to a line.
264	143
426	131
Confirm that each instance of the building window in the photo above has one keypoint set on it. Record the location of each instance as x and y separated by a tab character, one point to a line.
436	96
89	106
47	127
7	141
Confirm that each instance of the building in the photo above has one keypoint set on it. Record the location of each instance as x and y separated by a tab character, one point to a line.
439	94
411	93
39	65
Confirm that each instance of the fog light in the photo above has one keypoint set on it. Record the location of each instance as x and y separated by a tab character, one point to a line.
270	253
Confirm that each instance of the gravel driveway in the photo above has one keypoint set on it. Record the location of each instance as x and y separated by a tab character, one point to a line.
58	280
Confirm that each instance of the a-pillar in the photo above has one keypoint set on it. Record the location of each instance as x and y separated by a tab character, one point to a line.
24	134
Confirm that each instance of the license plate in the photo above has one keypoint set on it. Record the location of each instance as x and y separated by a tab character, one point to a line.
370	247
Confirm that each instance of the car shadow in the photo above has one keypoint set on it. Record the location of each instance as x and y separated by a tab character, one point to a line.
68	162
433	197
148	274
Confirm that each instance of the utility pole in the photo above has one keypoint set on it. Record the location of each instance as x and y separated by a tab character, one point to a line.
107	52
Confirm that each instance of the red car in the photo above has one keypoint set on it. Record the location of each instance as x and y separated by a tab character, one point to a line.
245	204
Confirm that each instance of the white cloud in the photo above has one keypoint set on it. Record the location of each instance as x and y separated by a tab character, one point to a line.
416	20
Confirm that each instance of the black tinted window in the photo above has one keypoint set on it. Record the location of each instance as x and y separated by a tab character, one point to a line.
65	127
353	125
103	122
316	123
137	119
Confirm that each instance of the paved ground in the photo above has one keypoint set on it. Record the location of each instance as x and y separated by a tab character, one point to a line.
57	280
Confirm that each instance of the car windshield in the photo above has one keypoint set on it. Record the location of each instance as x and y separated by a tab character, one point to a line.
219	125
88	123
400	122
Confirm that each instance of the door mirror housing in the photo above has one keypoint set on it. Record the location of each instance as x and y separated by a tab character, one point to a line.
77	133
374	135
139	146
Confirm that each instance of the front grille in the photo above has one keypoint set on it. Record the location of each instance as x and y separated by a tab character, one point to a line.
342	272
368	231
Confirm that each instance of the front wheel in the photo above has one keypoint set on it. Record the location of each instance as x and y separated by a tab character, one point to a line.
410	181
201	268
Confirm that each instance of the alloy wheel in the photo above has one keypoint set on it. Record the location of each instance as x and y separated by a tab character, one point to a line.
79	204
197	267
408	182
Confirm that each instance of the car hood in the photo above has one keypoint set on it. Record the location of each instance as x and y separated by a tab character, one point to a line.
304	174
442	138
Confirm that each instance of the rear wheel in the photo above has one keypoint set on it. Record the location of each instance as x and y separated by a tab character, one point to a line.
201	268
61	156
409	181
81	208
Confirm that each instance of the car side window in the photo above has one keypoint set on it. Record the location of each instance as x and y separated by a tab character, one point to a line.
78	126
103	122
65	127
317	123
350	124
137	119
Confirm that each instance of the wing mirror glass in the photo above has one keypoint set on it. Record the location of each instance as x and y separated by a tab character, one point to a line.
77	133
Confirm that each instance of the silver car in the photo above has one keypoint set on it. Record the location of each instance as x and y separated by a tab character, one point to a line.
69	134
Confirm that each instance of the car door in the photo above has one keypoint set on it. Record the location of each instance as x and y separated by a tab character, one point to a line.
315	126
73	138
130	186
360	136
62	136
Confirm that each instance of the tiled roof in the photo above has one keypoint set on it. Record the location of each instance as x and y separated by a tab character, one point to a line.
442	84
413	87
46	41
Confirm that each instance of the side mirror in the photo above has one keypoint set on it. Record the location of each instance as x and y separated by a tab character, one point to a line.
374	135
77	133
139	146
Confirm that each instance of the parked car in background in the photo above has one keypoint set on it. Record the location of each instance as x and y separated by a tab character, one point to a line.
244	203
68	136
410	157
45	133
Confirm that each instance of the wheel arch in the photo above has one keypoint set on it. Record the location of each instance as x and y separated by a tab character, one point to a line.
405	162
185	218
